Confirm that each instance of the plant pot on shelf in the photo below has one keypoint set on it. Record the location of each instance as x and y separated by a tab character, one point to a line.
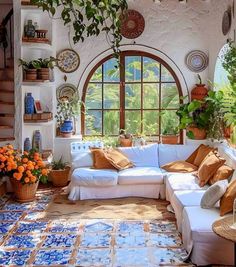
199	92
24	192
199	134
60	177
170	139
123	142
31	74
66	128
43	74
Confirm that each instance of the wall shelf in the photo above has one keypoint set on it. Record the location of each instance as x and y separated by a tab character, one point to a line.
35	45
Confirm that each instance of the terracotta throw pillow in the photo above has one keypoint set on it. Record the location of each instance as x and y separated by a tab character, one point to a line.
179	166
224	172
203	151
227	201
118	159
99	159
208	167
192	157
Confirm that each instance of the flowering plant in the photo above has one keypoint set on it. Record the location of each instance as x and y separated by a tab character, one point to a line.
26	168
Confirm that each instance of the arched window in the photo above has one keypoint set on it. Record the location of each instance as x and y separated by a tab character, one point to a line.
140	96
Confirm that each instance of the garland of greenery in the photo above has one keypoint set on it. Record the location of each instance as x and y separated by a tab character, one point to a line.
90	17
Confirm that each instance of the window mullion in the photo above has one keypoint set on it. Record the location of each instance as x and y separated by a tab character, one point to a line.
122	91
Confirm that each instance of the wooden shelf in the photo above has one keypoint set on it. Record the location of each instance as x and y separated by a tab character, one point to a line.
37	82
3	139
36	40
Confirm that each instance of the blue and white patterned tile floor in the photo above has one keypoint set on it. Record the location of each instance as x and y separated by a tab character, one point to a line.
27	239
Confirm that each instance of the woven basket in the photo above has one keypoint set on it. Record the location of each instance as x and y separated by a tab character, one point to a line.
60	177
24	192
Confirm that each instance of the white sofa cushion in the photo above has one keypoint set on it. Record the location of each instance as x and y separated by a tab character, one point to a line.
94	177
141	175
186	198
181	181
169	153
142	156
81	159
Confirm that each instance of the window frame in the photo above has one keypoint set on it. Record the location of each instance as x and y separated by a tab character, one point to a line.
122	84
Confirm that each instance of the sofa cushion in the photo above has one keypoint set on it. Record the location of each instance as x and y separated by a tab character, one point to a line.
118	159
227	201
93	177
192	157
99	159
202	152
224	172
142	156
179	166
81	159
141	175
170	153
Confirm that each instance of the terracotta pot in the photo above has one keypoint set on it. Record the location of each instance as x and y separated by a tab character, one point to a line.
199	92
60	177
228	131
170	139
24	192
31	74
3	188
199	134
43	74
125	142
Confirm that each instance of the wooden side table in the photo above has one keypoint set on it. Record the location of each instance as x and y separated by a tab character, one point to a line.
223	229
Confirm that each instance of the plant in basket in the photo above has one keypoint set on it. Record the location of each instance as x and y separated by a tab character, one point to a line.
59	172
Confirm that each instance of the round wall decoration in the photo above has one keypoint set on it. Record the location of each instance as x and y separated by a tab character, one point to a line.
66	91
226	22
196	61
132	25
68	60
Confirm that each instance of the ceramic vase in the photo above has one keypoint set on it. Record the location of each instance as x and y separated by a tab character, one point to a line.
29	29
199	92
27	144
37	141
29	104
66	128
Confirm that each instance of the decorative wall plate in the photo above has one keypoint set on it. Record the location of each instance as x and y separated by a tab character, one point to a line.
68	60
66	90
197	61
226	22
133	24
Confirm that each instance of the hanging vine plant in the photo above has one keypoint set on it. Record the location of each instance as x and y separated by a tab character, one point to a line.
90	18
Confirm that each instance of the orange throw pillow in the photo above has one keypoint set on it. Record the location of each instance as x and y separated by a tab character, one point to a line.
208	167
99	159
203	151
224	172
117	159
227	201
179	166
192	157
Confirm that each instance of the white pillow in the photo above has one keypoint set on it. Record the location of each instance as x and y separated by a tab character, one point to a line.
142	156
81	159
213	194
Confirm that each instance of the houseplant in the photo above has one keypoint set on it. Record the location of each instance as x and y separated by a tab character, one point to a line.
170	130
125	139
30	69
66	113
45	65
24	171
59	172
200	91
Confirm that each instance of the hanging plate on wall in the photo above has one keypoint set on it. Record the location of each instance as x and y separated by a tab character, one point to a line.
226	22
68	60
196	61
66	91
132	25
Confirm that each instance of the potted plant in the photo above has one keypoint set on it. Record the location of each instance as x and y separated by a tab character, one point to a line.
24	171
59	172
45	65
200	91
66	113
170	130
125	139
30	69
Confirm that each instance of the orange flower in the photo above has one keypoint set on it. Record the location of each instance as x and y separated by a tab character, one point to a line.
21	169
44	171
40	163
33	179
26	153
29	173
30	167
25	160
9	168
17	176
26	180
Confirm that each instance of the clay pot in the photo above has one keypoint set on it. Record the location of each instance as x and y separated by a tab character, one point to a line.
228	131
199	92
170	139
125	142
199	134
43	74
60	177
31	74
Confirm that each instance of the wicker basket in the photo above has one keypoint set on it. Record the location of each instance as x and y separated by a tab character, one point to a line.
60	177
24	192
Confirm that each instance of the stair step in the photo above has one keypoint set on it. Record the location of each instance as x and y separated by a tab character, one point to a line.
7	120
7	96
7	103
7	85
7	108
3	139
6	127
7	115
10	62
7	74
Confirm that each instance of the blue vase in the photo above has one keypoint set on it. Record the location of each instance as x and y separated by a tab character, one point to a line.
67	126
29	104
27	144
37	141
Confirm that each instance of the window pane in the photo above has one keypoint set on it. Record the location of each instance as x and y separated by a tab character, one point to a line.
151	96
111	122
150	122
93	122
169	96
133	68
166	76
111	96
94	96
169	122
97	76
133	96
151	70
133	122
111	73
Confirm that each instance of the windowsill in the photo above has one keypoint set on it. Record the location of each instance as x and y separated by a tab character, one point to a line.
73	137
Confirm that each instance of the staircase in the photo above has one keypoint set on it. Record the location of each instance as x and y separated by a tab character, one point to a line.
7	100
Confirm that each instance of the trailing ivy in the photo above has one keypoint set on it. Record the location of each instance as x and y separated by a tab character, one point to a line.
90	17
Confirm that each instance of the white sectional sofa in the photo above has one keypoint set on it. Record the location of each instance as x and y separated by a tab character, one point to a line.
147	179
